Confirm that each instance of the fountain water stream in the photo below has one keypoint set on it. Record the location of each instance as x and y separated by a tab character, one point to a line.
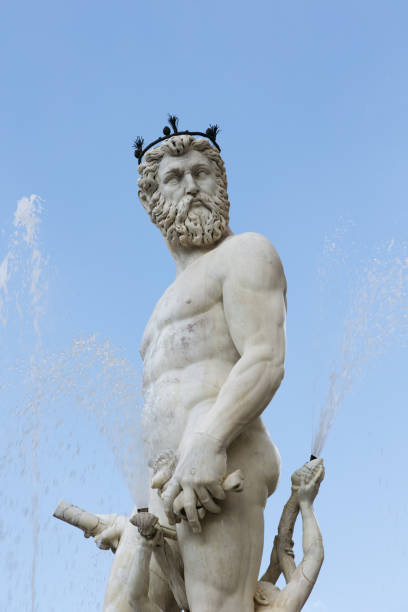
377	318
41	390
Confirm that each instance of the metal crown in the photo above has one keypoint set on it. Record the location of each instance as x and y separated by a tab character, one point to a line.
210	133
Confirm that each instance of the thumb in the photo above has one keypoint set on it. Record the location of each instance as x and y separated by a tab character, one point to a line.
161	477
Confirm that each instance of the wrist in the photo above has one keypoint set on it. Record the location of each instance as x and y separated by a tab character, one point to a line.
305	504
293	499
208	439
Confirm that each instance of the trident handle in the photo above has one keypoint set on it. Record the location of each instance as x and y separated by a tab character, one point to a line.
90	524
93	525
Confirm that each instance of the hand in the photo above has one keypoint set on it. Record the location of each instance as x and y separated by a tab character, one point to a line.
199	473
310	479
148	527
305	472
109	537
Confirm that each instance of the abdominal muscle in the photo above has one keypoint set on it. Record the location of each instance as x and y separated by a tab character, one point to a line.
176	402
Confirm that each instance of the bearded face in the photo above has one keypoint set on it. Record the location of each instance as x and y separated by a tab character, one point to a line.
199	220
191	205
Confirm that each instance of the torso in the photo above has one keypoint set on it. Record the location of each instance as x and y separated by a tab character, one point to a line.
188	353
186	349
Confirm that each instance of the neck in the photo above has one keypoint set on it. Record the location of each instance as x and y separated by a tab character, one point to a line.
185	256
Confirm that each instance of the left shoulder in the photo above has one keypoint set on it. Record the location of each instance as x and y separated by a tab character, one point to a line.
251	244
251	257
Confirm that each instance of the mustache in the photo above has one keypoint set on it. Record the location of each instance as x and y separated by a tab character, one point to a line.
183	208
185	204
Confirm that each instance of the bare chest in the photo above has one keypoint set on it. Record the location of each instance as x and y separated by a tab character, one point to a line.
187	326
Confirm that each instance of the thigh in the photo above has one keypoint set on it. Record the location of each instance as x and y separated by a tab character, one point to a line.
221	564
159	590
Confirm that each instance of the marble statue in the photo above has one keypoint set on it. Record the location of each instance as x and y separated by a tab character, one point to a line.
268	597
131	587
213	358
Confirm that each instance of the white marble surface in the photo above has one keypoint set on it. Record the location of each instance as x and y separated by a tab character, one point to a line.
213	355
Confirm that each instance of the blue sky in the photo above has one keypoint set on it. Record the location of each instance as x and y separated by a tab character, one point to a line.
312	101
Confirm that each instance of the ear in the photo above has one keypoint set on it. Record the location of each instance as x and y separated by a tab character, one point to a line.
265	593
262	593
260	598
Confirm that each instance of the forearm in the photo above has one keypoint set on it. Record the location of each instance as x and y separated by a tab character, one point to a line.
285	535
138	581
245	394
312	542
125	560
288	519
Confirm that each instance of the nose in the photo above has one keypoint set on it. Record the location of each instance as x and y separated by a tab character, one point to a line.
190	184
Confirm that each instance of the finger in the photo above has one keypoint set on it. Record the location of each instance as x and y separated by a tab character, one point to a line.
161	477
168	497
201	513
108	534
190	507
216	491
102	545
105	539
308	474
234	481
318	475
321	472
178	505
206	500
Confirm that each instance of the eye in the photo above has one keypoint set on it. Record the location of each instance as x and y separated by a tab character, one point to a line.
201	173
172	179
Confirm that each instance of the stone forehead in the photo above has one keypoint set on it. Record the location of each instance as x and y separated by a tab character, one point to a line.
189	158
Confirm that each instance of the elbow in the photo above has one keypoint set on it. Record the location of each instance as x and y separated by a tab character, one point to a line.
276	375
281	374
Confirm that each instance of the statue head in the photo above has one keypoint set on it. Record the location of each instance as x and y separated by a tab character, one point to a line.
183	187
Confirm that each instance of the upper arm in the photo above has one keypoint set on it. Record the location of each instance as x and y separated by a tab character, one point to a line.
296	592
302	581
254	297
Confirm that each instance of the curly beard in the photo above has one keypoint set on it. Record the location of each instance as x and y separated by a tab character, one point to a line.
186	225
